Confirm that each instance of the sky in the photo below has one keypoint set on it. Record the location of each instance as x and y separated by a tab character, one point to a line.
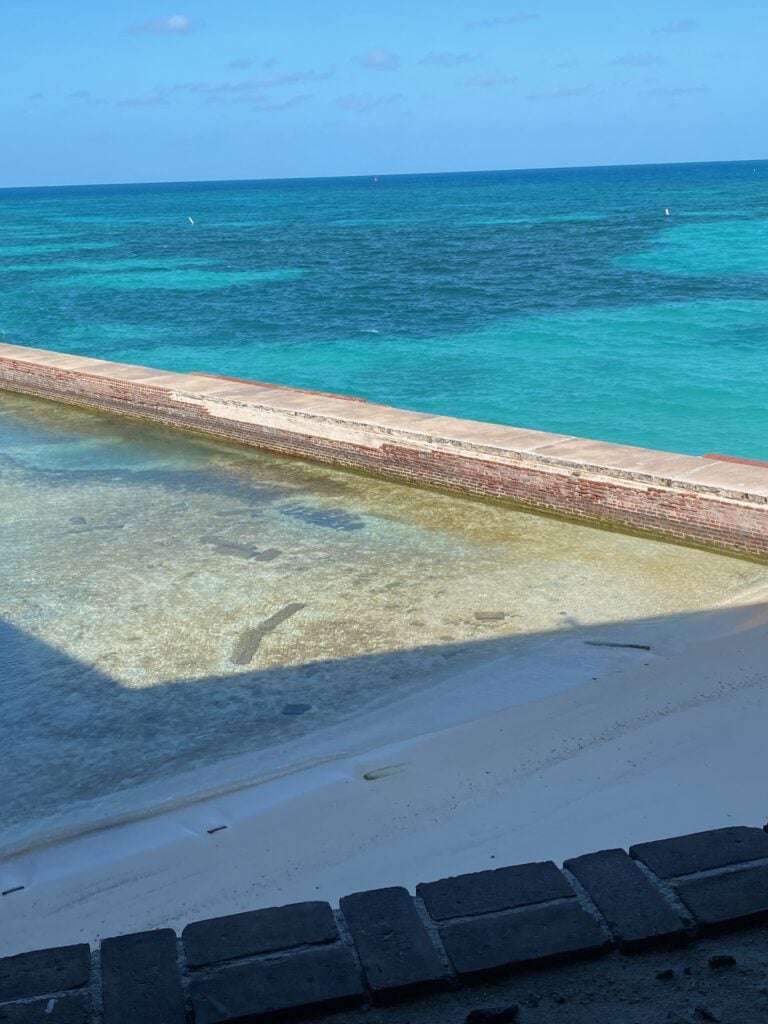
239	89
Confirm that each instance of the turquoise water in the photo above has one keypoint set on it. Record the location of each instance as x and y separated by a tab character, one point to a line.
562	300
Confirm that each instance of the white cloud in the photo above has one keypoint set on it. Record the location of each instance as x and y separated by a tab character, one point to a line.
380	59
174	24
638	60
563	93
244	63
512	19
264	104
270	80
670	92
685	25
154	98
86	96
490	79
362	103
448	60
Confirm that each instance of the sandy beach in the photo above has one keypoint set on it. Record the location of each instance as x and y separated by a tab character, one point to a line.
606	747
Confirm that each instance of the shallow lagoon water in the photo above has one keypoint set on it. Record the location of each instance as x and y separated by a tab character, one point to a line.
167	601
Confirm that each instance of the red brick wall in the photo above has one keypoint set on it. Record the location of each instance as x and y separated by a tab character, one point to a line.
677	512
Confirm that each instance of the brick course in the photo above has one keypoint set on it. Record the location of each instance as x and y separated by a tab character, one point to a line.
141	979
59	1010
480	947
43	971
702	851
484	892
719	504
395	950
258	931
317	979
727	900
638	915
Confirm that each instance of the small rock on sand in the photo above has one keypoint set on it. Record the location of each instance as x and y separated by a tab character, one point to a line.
720	960
248	551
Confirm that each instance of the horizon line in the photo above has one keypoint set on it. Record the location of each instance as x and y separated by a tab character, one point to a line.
357	177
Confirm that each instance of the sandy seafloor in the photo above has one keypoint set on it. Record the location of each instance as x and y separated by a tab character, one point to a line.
433	742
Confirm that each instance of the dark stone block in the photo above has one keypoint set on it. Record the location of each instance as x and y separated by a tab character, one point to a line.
702	851
395	949
490	945
44	971
485	892
315	979
141	980
501	1015
56	1010
258	931
720	960
637	914
727	900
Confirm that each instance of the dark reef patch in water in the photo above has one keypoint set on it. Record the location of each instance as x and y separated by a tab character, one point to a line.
332	518
248	551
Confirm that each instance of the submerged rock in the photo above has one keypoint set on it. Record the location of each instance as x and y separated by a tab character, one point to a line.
246	646
332	518
247	551
285	613
296	709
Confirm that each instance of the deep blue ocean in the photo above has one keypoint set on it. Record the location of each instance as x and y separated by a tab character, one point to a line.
563	300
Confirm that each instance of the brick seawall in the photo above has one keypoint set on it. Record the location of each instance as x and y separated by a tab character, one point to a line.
715	502
387	945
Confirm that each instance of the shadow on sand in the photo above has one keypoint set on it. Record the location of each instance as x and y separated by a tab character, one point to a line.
75	740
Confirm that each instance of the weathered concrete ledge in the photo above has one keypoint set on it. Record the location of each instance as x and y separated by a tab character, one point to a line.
715	502
386	945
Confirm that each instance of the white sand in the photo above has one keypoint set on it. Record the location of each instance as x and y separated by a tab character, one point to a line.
656	745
